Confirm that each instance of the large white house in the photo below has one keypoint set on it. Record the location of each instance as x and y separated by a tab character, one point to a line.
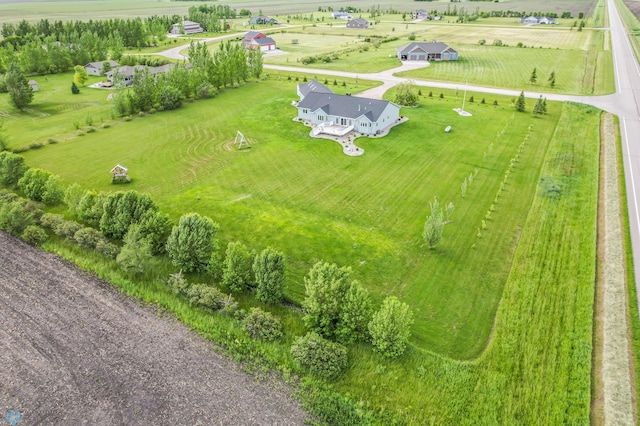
186	27
323	108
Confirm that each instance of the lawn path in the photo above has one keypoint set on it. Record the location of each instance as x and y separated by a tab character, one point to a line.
618	404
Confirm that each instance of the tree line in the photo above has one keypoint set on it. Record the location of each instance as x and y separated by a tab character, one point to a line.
230	65
129	228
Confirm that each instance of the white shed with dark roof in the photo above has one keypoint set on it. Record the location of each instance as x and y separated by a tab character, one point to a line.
427	51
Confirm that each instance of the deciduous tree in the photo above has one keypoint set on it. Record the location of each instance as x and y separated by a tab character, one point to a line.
236	269
191	242
136	251
268	269
390	327
326	286
20	92
80	75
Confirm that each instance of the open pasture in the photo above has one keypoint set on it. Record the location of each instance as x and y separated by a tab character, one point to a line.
305	197
14	10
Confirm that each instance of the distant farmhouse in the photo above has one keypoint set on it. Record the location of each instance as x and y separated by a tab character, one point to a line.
262	20
420	14
357	23
186	27
340	14
426	51
128	72
531	20
340	114
258	41
95	68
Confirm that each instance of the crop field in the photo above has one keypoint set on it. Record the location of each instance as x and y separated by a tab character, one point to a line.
15	10
306	198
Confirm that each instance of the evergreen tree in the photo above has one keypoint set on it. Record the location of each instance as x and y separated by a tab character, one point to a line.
20	91
520	104
538	108
534	76
552	79
74	88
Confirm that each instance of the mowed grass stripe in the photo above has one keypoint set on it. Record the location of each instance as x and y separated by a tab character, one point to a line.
536	369
303	196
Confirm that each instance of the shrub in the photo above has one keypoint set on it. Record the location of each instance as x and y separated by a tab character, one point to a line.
170	98
12	168
263	325
13	218
51	220
87	237
67	228
34	234
322	357
107	249
206	297
177	283
36	145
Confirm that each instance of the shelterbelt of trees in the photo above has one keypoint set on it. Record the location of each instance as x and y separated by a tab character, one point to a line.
50	47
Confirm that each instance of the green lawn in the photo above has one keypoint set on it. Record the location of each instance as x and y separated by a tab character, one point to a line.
587	72
305	197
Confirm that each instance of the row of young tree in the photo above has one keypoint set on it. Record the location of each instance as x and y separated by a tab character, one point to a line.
128	227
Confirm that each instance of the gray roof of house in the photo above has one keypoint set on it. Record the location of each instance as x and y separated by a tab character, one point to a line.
252	34
99	64
264	40
128	70
313	86
344	106
359	21
427	47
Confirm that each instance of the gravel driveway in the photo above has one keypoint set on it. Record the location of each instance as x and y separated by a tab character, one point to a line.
73	350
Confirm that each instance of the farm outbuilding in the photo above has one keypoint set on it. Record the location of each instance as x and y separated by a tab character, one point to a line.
427	51
119	174
257	40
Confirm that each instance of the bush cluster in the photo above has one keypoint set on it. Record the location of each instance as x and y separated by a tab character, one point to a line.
320	356
263	325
